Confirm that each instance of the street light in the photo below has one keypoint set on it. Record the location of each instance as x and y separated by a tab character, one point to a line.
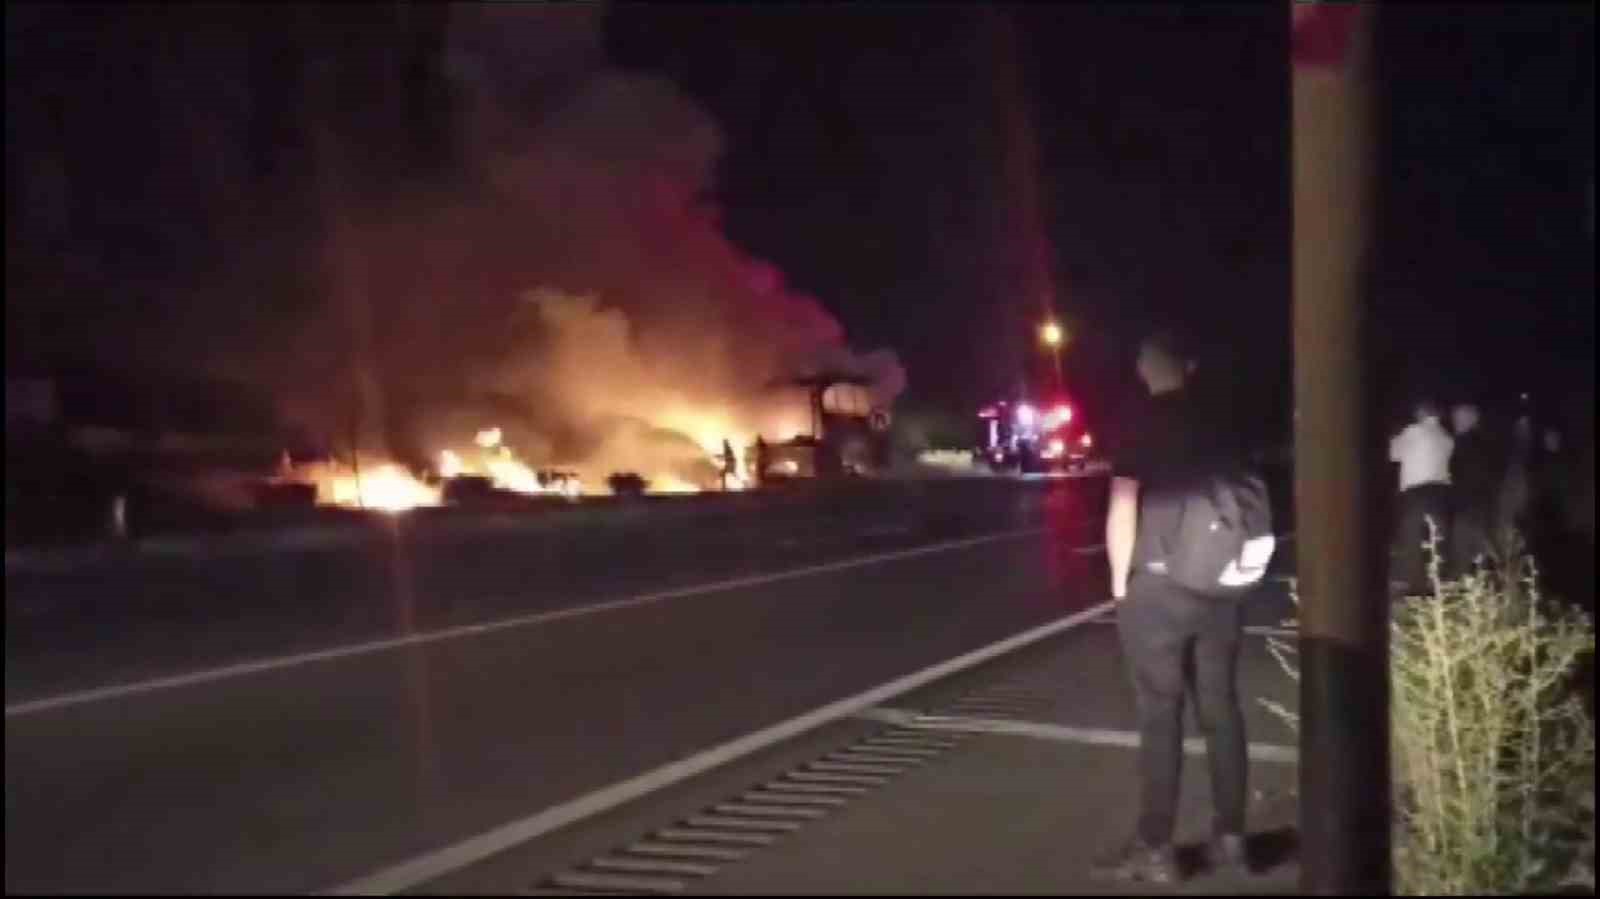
1051	335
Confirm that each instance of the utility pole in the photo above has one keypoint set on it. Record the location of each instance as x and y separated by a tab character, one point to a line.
1344	665
333	76
1051	335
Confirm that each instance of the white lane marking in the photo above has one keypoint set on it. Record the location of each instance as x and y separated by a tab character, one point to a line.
703	853
940	745
766	811
581	880
443	860
762	797
730	838
912	741
813	789
982	708
871	780
244	669
724	822
857	768
874	758
1093	736
1003	705
903	752
652	866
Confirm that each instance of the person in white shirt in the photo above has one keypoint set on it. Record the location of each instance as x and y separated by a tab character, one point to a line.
1423	452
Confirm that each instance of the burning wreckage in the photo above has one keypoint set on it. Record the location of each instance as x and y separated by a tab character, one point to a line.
561	317
846	435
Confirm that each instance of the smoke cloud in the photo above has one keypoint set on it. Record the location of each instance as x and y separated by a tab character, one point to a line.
571	285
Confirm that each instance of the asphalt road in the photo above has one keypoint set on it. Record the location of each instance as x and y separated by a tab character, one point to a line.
125	618
292	722
307	773
1017	811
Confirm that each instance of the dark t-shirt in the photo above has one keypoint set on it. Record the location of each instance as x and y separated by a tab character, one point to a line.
1165	439
1165	444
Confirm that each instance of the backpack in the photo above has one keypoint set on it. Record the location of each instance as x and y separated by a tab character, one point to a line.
1218	537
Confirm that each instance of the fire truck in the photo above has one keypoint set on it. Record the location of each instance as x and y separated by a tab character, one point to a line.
1034	437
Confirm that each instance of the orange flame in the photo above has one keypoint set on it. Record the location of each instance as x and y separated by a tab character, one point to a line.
388	486
383	486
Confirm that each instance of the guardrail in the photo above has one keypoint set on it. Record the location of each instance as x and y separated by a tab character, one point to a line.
1004	503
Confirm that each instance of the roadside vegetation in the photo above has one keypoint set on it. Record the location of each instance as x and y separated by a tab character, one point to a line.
1492	740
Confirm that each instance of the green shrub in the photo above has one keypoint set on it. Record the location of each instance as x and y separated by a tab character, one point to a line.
1492	748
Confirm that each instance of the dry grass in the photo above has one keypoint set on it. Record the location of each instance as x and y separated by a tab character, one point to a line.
1493	751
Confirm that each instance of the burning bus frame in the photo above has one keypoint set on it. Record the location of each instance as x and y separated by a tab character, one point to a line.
849	434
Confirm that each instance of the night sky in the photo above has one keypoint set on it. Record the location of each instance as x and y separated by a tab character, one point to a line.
939	176
1158	185
1487	250
1162	153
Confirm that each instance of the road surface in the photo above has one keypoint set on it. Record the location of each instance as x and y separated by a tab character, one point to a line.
138	760
1005	779
290	726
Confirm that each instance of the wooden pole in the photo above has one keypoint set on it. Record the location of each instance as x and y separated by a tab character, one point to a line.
1344	726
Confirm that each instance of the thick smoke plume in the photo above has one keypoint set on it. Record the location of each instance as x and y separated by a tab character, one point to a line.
569	285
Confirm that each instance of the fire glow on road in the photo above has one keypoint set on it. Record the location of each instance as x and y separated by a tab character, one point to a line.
388	486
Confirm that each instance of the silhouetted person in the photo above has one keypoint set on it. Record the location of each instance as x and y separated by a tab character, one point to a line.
730	463
1516	489
1550	479
760	473
1423	450
1160	623
1477	469
1550	482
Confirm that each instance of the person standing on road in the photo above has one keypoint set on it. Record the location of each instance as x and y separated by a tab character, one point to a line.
1160	623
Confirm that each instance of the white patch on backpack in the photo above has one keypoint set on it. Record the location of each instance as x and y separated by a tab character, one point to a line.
1251	565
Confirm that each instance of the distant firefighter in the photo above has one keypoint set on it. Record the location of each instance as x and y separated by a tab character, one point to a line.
730	464
762	458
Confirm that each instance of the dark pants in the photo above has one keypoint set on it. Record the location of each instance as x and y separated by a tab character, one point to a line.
1161	624
1416	507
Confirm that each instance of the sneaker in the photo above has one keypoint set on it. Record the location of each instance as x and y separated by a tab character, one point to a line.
1228	853
1137	861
